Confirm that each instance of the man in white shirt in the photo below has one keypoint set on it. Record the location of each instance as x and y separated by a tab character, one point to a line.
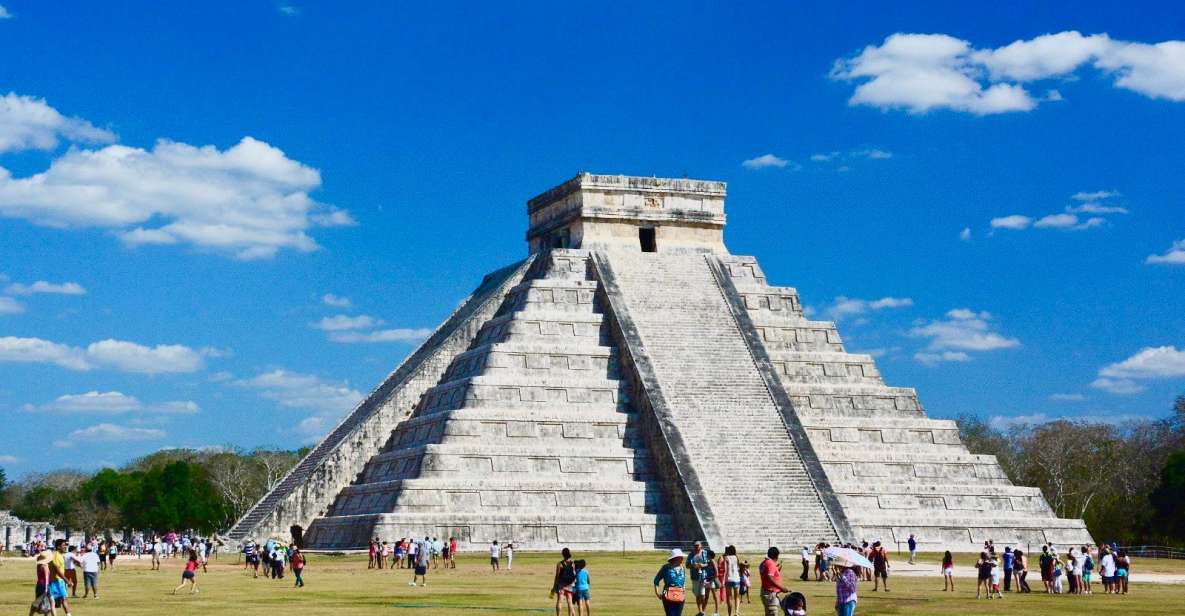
90	572
495	555
806	562
1107	564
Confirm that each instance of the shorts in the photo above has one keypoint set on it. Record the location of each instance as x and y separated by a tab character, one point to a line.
38	590
732	584
948	571
1086	577
57	589
1121	573
187	575
581	595
493	560
445	552
770	601
995	587
91	579
881	572
421	570
252	559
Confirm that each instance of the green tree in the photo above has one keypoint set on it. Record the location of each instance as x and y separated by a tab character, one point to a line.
1168	500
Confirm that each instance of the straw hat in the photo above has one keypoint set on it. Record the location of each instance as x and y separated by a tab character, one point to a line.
44	557
675	553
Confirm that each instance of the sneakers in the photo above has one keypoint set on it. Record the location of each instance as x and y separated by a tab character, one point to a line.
411	583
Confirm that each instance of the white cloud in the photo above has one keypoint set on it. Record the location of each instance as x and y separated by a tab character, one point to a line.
923	72
965	234
383	335
41	286
1122	387
765	161
28	123
109	433
963	331
850	306
289	10
10	306
1175	255
1003	422
1057	221
304	391
344	322
822	158
7	459
1067	397
933	359
249	200
4	14
1015	222
874	154
1097	195
336	301
112	402
870	153
1096	208
1149	363
110	354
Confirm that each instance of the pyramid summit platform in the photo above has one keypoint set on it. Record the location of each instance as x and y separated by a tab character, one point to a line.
631	383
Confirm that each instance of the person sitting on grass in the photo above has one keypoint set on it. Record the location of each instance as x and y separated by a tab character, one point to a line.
190	574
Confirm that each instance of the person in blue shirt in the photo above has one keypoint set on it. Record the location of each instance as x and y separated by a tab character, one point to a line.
581	595
669	584
1009	558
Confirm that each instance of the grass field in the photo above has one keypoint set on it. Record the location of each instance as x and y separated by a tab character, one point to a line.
341	585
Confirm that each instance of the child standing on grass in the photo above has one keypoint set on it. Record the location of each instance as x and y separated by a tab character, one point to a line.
711	575
995	580
948	572
744	584
581	593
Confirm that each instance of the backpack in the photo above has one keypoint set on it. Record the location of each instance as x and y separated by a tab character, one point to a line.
567	574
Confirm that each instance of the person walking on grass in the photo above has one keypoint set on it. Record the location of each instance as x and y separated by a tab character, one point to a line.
697	563
581	594
495	556
913	549
41	598
452	552
711	575
669	584
57	575
72	561
948	572
508	552
771	582
845	591
189	574
421	566
880	566
296	561
732	579
983	575
564	582
90	573
806	563
995	587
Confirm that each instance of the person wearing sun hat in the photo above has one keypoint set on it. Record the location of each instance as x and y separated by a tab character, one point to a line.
669	583
42	563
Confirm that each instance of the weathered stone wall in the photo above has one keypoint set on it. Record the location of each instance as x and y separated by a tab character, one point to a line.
309	489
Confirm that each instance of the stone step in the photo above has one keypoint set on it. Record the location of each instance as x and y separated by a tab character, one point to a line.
531	358
465	494
545	458
544	326
513	390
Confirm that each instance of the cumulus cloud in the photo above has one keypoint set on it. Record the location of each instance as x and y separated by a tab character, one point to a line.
289	10
105	354
249	200
1015	222
10	306
765	161
924	72
1097	195
1164	362
28	123
4	14
382	335
112	402
1175	255
965	234
344	322
1067	397
870	153
329	400
850	306
1068	219
962	332
41	286
336	301
109	433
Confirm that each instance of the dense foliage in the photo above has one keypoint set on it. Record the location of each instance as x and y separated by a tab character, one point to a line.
204	490
1127	480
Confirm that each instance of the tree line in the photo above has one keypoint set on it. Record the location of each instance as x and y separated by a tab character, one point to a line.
1125	480
172	489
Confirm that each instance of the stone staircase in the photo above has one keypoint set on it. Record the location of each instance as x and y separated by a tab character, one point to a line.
894	470
529	436
754	484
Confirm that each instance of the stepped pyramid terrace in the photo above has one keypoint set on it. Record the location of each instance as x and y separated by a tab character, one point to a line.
632	383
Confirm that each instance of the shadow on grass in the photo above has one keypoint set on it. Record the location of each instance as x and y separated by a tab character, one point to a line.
484	608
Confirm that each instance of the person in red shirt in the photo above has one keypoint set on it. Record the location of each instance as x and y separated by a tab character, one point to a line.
771	582
190	574
452	552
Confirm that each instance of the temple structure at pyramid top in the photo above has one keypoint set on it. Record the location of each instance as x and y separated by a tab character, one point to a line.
630	384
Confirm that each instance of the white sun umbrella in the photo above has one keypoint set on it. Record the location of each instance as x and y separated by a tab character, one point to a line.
846	557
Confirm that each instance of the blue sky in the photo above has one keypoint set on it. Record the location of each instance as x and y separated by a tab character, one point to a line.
990	203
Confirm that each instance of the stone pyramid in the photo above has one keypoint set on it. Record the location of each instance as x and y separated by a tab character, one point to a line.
632	384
